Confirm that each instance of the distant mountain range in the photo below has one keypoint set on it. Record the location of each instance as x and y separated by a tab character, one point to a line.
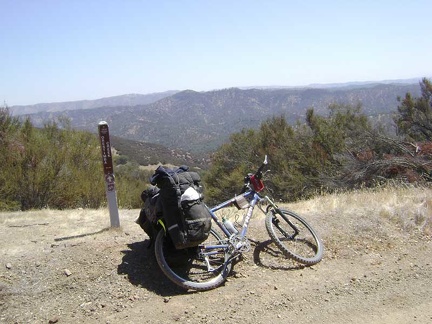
123	100
199	122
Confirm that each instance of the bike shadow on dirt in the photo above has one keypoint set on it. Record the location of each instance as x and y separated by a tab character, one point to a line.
267	255
140	266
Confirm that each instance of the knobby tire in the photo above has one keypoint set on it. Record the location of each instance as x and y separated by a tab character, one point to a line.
187	268
306	247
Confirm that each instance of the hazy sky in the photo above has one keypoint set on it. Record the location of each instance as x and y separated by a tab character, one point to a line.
65	50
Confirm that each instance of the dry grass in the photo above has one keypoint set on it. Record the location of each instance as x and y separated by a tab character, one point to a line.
369	220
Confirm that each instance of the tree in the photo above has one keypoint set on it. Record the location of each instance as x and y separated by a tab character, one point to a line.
292	170
303	159
230	164
10	151
343	129
54	166
414	118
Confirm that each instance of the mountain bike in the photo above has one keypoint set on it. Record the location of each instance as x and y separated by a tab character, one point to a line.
207	265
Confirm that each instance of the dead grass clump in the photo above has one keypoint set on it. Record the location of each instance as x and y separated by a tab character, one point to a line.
369	220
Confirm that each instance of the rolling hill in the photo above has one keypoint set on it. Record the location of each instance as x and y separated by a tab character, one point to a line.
199	122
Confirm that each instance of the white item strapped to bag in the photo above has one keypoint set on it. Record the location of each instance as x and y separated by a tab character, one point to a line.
190	194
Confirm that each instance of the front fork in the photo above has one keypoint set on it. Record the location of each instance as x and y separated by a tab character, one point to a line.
275	210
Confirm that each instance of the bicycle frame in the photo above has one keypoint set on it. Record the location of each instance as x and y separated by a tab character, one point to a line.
235	241
252	202
241	236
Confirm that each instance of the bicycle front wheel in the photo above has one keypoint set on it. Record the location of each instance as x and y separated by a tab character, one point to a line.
197	268
294	236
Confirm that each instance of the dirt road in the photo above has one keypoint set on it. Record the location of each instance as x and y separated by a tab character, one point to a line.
67	267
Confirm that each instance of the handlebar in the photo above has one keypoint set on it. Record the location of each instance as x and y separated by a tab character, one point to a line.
258	174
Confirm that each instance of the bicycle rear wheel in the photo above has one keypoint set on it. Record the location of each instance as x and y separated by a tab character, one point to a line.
294	236
196	268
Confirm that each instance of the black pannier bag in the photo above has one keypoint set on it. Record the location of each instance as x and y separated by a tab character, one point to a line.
150	212
187	219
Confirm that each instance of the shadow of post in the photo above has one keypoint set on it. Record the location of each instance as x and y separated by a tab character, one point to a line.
58	239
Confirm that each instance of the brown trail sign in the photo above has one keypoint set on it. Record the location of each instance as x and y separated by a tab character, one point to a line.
108	173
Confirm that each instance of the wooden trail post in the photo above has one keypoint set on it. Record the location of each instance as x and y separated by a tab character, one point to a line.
108	173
